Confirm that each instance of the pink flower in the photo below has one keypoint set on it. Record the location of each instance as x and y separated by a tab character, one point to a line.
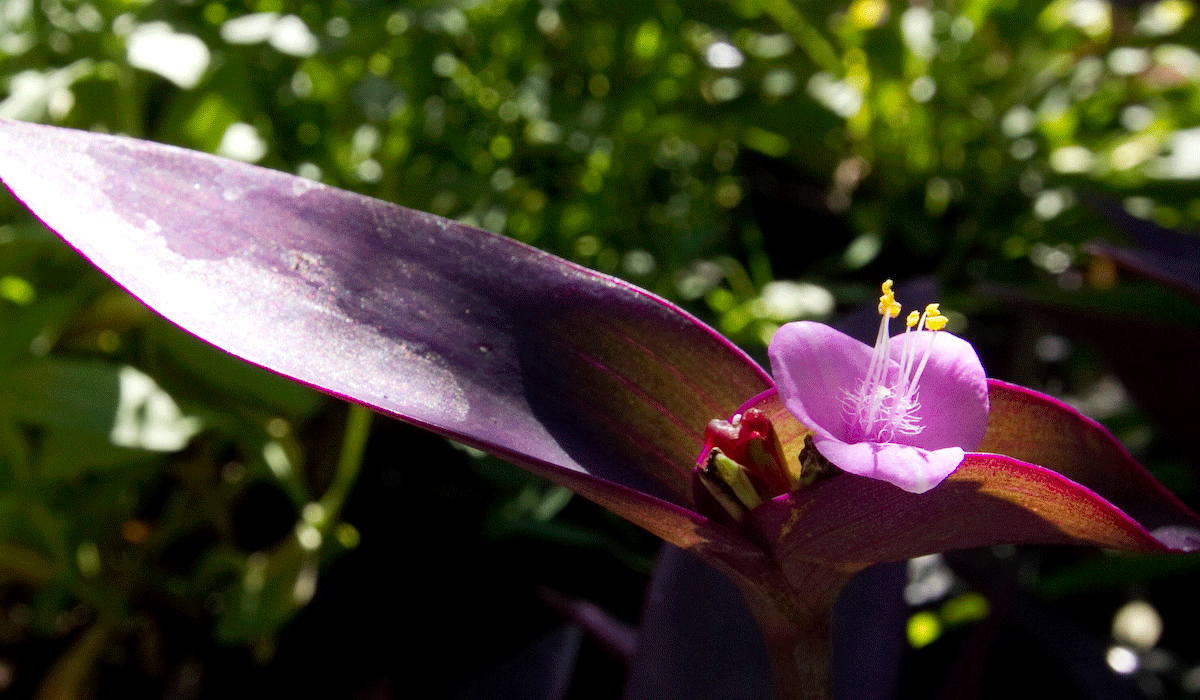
906	411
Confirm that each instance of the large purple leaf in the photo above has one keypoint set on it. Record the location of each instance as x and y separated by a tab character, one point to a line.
1032	427
542	671
1090	492
697	637
575	375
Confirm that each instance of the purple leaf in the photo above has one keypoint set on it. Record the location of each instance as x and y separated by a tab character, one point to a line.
542	671
1032	427
697	638
618	637
1089	493
575	375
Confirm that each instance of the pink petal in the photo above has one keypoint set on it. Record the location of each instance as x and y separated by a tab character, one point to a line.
953	393
911	468
814	366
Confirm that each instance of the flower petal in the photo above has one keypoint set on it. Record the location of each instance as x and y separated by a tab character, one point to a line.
913	469
953	392
814	366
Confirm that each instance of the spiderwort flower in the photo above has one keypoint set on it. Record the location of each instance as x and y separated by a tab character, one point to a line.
906	411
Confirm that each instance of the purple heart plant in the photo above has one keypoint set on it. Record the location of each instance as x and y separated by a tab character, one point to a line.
851	456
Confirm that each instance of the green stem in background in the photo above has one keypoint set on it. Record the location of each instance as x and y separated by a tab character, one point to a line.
818	49
354	444
67	678
24	564
129	99
277	582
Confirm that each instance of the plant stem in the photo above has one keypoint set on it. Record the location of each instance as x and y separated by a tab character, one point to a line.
793	609
800	661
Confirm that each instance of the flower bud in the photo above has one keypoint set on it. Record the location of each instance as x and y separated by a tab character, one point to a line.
743	463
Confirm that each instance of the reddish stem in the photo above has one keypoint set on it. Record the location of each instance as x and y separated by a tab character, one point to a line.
800	661
793	609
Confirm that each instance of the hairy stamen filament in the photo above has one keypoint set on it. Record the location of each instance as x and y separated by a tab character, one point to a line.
878	411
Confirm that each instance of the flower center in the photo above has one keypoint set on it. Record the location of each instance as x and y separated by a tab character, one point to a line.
885	402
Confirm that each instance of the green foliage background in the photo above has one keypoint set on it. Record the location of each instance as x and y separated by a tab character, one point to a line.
757	161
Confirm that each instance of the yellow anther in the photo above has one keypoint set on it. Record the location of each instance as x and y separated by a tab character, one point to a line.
885	404
887	301
934	320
